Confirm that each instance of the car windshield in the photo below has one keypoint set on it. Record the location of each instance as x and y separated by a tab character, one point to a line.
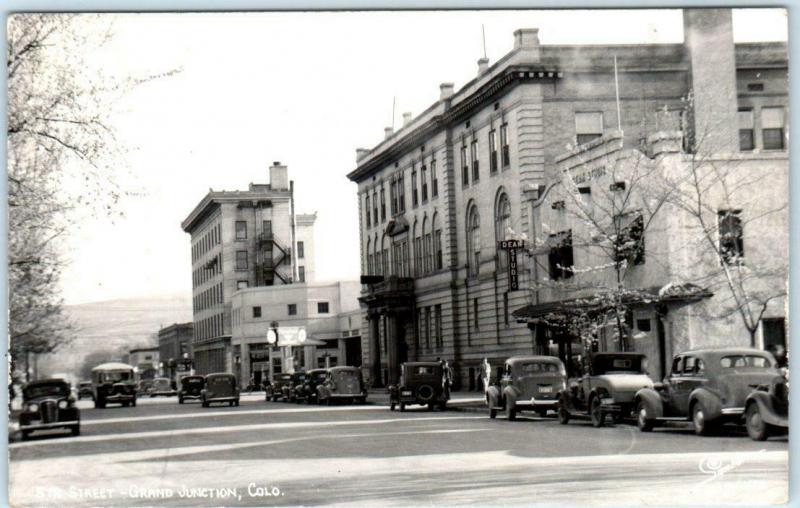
301	377
347	374
618	364
161	382
86	385
116	376
534	368
54	389
320	376
192	381
743	361
423	370
219	381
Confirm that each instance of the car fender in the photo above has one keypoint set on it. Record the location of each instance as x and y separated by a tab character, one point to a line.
766	408
652	401
493	396
710	401
510	394
565	399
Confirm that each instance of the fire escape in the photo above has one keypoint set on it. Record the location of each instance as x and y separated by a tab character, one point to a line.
272	255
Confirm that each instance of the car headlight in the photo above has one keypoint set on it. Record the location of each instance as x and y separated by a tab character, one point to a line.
33	408
63	404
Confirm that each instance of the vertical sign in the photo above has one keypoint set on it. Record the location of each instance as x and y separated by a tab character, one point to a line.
511	247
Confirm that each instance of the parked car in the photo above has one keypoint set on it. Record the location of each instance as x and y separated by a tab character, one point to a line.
608	388
528	383
423	383
144	387
342	384
766	410
220	387
708	387
274	390
48	404
84	390
162	387
191	388
113	382
308	390
289	390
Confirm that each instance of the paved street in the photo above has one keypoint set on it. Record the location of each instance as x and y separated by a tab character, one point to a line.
267	454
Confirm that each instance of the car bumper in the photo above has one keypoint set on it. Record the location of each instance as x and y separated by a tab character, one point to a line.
536	403
118	397
189	396
222	399
51	425
352	396
732	411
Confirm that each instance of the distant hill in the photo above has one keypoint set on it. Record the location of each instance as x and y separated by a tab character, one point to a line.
114	326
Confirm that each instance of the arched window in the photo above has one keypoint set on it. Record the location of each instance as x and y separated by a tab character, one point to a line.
415	248
426	250
369	257
502	221
473	240
385	256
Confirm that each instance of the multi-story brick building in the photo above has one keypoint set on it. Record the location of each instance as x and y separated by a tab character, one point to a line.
175	349
241	239
436	196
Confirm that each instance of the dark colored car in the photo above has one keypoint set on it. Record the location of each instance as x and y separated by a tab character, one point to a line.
48	404
84	390
274	390
766	410
220	387
423	383
308	390
608	388
529	383
290	389
113	383
191	388
708	387
162	387
342	384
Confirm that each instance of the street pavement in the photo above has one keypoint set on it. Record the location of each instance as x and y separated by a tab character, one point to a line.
276	454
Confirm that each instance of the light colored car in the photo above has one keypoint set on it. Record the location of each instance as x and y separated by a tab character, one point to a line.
162	387
608	388
528	383
113	383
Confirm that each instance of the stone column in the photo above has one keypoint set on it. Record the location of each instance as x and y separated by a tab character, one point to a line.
374	349
244	366
392	346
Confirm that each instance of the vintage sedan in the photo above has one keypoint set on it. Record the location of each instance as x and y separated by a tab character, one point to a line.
423	383
342	384
48	404
220	387
274	390
608	388
113	383
308	390
191	388
766	410
162	387
528	383
84	390
708	387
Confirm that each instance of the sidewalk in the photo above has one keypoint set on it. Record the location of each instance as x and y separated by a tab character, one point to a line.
472	402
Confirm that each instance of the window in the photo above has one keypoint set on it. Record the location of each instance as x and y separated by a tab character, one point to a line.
256	312
643	325
492	151
630	238
434	180
241	230
414	197
731	236
266	226
505	309
383	206
437	246
393	196
475	313
301	273
473	153
375	208
502	222
241	284
428	327
588	126
291	309
437	327
418	255
774	331
464	166
506	159
689	365
772	123
420	327
424	176
746	138
301	251
322	307
474	241
676	365
560	256
401	192
241	260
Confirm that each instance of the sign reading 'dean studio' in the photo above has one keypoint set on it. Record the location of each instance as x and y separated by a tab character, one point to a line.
287	336
511	246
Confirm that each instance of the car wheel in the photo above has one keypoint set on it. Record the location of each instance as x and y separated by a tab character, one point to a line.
442	405
492	413
180	400
643	420
133	403
702	426
391	406
563	415
430	406
25	434
402	407
756	427
236	403
511	412
76	430
205	404
598	416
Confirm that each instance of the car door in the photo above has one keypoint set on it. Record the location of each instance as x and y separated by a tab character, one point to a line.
682	385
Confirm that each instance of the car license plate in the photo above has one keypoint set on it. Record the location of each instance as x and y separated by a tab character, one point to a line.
545	389
406	393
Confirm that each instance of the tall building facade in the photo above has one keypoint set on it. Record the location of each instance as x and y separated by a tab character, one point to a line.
241	239
175	350
437	196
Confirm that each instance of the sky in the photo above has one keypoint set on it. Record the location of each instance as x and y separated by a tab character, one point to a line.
305	89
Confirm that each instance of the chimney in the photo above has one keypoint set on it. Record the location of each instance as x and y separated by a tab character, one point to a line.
527	39
483	66
406	118
387	132
278	176
361	153
708	38
445	91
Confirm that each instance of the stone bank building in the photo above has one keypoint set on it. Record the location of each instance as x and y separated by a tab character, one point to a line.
436	196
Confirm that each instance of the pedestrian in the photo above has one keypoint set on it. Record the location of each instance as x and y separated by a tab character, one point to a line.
486	370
